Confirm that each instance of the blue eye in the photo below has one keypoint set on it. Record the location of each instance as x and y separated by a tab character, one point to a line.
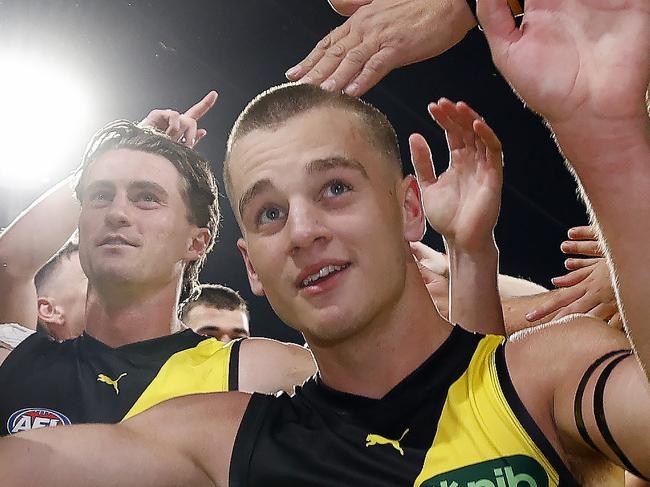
337	188
269	215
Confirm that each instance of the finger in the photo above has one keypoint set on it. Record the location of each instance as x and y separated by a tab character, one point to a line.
616	321
585	232
464	118
573	263
431	258
452	131
303	67
156	118
422	251
583	305
174	125
200	133
332	59
428	276
498	25
422	160
348	69
590	248
201	108
573	277
557	300
374	70
188	126
491	143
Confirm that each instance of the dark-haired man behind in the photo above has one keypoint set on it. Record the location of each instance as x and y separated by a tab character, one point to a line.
218	311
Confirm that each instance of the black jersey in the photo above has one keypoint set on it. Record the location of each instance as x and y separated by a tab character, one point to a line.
456	421
48	383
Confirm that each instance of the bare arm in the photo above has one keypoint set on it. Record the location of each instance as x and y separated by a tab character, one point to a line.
27	244
590	85
462	204
269	366
186	441
585	66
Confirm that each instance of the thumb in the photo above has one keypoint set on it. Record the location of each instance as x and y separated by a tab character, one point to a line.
497	23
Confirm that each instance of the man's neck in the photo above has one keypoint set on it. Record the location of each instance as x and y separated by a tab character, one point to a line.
387	350
120	318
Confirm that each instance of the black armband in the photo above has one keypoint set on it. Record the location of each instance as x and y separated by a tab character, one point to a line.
599	407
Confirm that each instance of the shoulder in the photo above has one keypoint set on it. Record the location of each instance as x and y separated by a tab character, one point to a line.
565	343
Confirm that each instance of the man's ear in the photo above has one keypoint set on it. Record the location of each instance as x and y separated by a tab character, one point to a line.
412	210
50	315
253	279
198	244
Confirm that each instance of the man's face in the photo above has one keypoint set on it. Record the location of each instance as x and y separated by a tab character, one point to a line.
67	286
323	223
133	226
223	324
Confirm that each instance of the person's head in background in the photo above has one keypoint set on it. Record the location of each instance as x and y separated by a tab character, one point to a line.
61	288
218	311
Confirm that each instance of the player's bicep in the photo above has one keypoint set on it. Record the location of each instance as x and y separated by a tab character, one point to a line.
610	407
269	366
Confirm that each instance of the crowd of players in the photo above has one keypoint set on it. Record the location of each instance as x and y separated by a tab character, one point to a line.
109	325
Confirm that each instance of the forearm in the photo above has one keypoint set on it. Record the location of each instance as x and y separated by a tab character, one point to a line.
614	170
37	233
474	300
516	308
511	287
98	455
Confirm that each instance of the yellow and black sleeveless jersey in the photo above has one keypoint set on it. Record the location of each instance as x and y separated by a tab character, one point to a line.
456	421
47	383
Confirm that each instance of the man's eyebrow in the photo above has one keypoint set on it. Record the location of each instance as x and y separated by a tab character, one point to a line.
145	185
321	165
257	188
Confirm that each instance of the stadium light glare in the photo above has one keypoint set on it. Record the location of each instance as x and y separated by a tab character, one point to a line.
43	104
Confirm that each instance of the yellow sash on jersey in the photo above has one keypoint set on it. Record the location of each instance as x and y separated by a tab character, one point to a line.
201	369
479	441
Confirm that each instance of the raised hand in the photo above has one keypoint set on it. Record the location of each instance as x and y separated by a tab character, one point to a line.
382	36
462	204
182	126
574	59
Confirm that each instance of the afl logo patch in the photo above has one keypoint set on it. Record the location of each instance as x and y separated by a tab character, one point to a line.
33	418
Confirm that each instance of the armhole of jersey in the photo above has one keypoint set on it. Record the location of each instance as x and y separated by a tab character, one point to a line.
528	423
244	445
233	366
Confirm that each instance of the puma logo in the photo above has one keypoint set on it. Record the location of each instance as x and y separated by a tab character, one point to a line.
107	380
373	439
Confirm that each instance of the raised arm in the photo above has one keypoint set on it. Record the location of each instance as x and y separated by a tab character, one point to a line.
27	244
186	441
463	206
585	66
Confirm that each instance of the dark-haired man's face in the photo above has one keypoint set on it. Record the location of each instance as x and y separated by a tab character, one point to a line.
223	324
323	223
133	226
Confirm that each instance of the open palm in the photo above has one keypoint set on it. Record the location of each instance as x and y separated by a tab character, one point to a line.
462	204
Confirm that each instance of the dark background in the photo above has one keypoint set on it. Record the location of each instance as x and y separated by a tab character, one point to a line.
140	55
